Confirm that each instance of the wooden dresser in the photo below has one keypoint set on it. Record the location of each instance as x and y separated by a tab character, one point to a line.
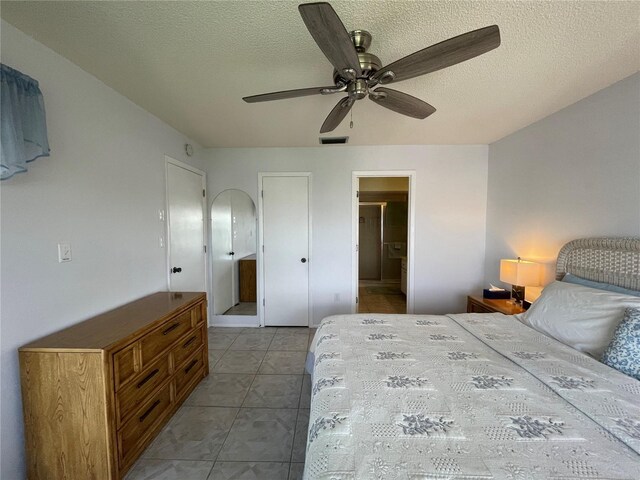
95	394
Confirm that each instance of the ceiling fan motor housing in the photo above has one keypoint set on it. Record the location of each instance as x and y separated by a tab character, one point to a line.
369	63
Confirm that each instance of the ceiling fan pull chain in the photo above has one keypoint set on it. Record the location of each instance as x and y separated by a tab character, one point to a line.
351	122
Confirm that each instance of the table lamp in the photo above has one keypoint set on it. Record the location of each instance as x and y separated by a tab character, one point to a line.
519	273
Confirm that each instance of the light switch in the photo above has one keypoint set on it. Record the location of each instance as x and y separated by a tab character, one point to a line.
64	252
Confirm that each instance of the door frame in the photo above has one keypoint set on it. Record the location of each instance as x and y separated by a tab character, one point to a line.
205	224
260	249
411	174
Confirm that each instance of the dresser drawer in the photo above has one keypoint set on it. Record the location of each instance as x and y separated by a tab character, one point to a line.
125	364
187	372
187	346
128	399
198	314
144	420
161	338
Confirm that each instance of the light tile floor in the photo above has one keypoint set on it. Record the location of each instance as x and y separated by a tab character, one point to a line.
247	420
243	308
381	296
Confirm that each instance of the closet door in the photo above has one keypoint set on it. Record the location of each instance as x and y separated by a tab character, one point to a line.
187	259
285	216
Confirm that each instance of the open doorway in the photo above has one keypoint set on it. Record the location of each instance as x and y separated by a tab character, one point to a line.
382	241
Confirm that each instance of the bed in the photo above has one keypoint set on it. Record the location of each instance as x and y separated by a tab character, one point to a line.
473	396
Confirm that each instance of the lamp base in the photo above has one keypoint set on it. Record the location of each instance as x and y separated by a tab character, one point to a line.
517	294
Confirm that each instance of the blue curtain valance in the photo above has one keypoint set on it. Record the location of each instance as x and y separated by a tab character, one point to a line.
23	126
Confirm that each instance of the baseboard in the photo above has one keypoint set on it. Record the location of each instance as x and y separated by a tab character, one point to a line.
234	321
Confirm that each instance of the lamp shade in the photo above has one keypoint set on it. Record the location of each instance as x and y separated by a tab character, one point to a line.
520	272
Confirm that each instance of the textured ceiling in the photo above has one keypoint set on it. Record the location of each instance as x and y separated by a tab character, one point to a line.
190	63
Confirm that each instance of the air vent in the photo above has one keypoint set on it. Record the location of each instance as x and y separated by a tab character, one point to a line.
333	140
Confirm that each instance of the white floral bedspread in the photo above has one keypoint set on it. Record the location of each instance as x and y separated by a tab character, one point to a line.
470	396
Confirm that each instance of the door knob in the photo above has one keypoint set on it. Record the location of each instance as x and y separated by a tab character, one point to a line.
176	269
303	260
232	253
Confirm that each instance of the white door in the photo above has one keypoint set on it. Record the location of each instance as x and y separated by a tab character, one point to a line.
186	229
222	253
285	217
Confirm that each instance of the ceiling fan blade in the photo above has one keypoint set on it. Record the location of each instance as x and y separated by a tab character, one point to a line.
401	103
301	92
337	114
441	55
327	30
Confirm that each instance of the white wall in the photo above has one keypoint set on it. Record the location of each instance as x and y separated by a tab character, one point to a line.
100	189
573	174
450	213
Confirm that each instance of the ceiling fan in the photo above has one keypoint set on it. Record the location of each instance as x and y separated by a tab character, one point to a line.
357	72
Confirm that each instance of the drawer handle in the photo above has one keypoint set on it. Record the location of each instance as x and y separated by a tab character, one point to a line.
149	410
191	365
147	378
171	328
189	342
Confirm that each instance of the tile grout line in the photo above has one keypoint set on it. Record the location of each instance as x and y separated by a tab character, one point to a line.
293	443
269	346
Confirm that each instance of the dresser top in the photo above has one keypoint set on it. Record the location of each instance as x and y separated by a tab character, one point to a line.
117	325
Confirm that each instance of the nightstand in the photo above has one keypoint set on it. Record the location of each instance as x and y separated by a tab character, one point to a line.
477	304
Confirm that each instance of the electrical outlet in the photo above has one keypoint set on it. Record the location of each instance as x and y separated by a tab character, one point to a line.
64	252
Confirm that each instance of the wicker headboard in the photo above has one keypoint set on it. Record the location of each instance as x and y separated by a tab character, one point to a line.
608	260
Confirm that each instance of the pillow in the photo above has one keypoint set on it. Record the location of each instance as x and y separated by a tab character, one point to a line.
623	353
600	286
583	318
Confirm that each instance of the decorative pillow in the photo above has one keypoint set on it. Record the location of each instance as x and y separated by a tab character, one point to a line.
583	318
599	285
623	353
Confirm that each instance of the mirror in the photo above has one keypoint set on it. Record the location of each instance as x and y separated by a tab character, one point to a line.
233	251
